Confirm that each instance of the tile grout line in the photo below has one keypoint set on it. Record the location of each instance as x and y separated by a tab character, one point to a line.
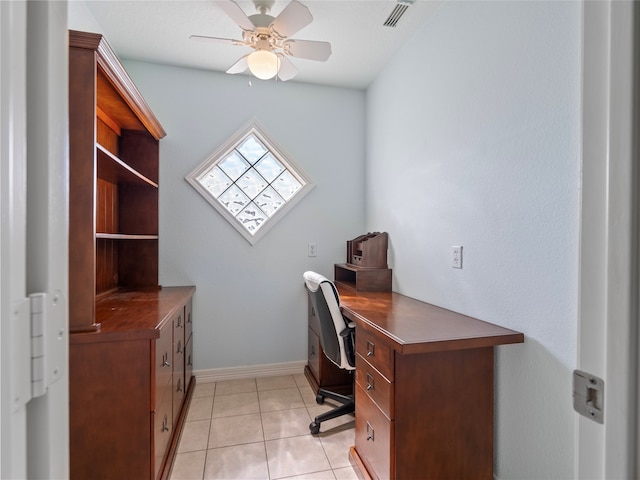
206	451
303	392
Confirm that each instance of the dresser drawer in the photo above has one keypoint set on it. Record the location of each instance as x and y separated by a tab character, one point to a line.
188	320
314	353
188	363
162	429
164	358
178	324
378	388
178	379
377	352
374	436
314	321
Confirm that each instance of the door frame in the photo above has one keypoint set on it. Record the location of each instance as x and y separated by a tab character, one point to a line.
13	156
34	432
607	324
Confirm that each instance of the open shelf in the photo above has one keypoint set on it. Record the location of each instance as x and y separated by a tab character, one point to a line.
363	279
114	170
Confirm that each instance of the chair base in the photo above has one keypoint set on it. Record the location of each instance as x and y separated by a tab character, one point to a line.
348	406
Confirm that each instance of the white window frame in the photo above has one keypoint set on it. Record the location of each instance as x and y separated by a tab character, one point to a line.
251	128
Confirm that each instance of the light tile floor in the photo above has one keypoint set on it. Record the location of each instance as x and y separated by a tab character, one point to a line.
259	429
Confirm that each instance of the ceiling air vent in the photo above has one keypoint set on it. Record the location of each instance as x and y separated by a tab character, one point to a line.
397	13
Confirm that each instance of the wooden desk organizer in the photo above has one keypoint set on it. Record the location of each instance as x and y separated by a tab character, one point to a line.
366	269
369	250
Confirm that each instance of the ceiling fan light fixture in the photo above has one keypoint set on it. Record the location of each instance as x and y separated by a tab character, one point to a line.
269	36
263	64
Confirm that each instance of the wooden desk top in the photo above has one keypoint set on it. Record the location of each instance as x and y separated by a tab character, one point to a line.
413	326
134	314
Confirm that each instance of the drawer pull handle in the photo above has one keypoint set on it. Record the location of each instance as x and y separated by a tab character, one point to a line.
189	318
370	433
179	350
165	360
371	349
189	361
179	389
371	382
165	421
179	321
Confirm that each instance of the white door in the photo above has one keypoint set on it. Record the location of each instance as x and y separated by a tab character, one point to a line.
607	332
33	239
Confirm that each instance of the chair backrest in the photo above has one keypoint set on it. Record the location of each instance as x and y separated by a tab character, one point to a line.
326	304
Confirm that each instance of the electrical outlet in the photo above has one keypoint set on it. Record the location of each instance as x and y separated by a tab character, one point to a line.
456	260
311	249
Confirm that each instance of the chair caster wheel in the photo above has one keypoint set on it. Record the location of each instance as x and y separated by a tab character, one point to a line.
319	399
314	428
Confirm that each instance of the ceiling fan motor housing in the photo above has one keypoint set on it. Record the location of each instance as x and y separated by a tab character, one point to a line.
261	20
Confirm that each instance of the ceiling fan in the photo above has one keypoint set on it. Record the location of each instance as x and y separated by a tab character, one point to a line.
269	38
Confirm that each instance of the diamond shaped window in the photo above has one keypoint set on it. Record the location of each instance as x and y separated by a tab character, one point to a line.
250	182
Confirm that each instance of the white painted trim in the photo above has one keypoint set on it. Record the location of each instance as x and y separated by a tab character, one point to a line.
47	229
249	371
606	342
14	391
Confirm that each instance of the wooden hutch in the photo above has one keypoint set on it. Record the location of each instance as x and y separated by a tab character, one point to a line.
130	352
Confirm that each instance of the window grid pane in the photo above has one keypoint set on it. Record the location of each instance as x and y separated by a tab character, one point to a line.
252	183
216	181
269	167
233	199
252	149
287	185
234	165
251	217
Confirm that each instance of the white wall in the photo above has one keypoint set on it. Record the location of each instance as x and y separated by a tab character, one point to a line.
250	303
473	139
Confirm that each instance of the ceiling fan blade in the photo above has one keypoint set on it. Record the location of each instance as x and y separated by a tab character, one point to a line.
294	17
240	66
233	11
203	38
308	49
287	69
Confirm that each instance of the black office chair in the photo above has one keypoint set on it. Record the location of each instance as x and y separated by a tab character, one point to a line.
337	337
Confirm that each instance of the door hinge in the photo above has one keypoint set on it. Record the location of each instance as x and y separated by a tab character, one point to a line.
38	346
47	314
38	349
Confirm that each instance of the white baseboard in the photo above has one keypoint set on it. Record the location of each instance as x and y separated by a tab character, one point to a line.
250	371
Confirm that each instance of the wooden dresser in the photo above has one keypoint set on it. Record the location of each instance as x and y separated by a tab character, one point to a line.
129	383
130	347
424	388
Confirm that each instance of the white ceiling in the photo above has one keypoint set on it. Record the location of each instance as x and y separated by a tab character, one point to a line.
158	31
